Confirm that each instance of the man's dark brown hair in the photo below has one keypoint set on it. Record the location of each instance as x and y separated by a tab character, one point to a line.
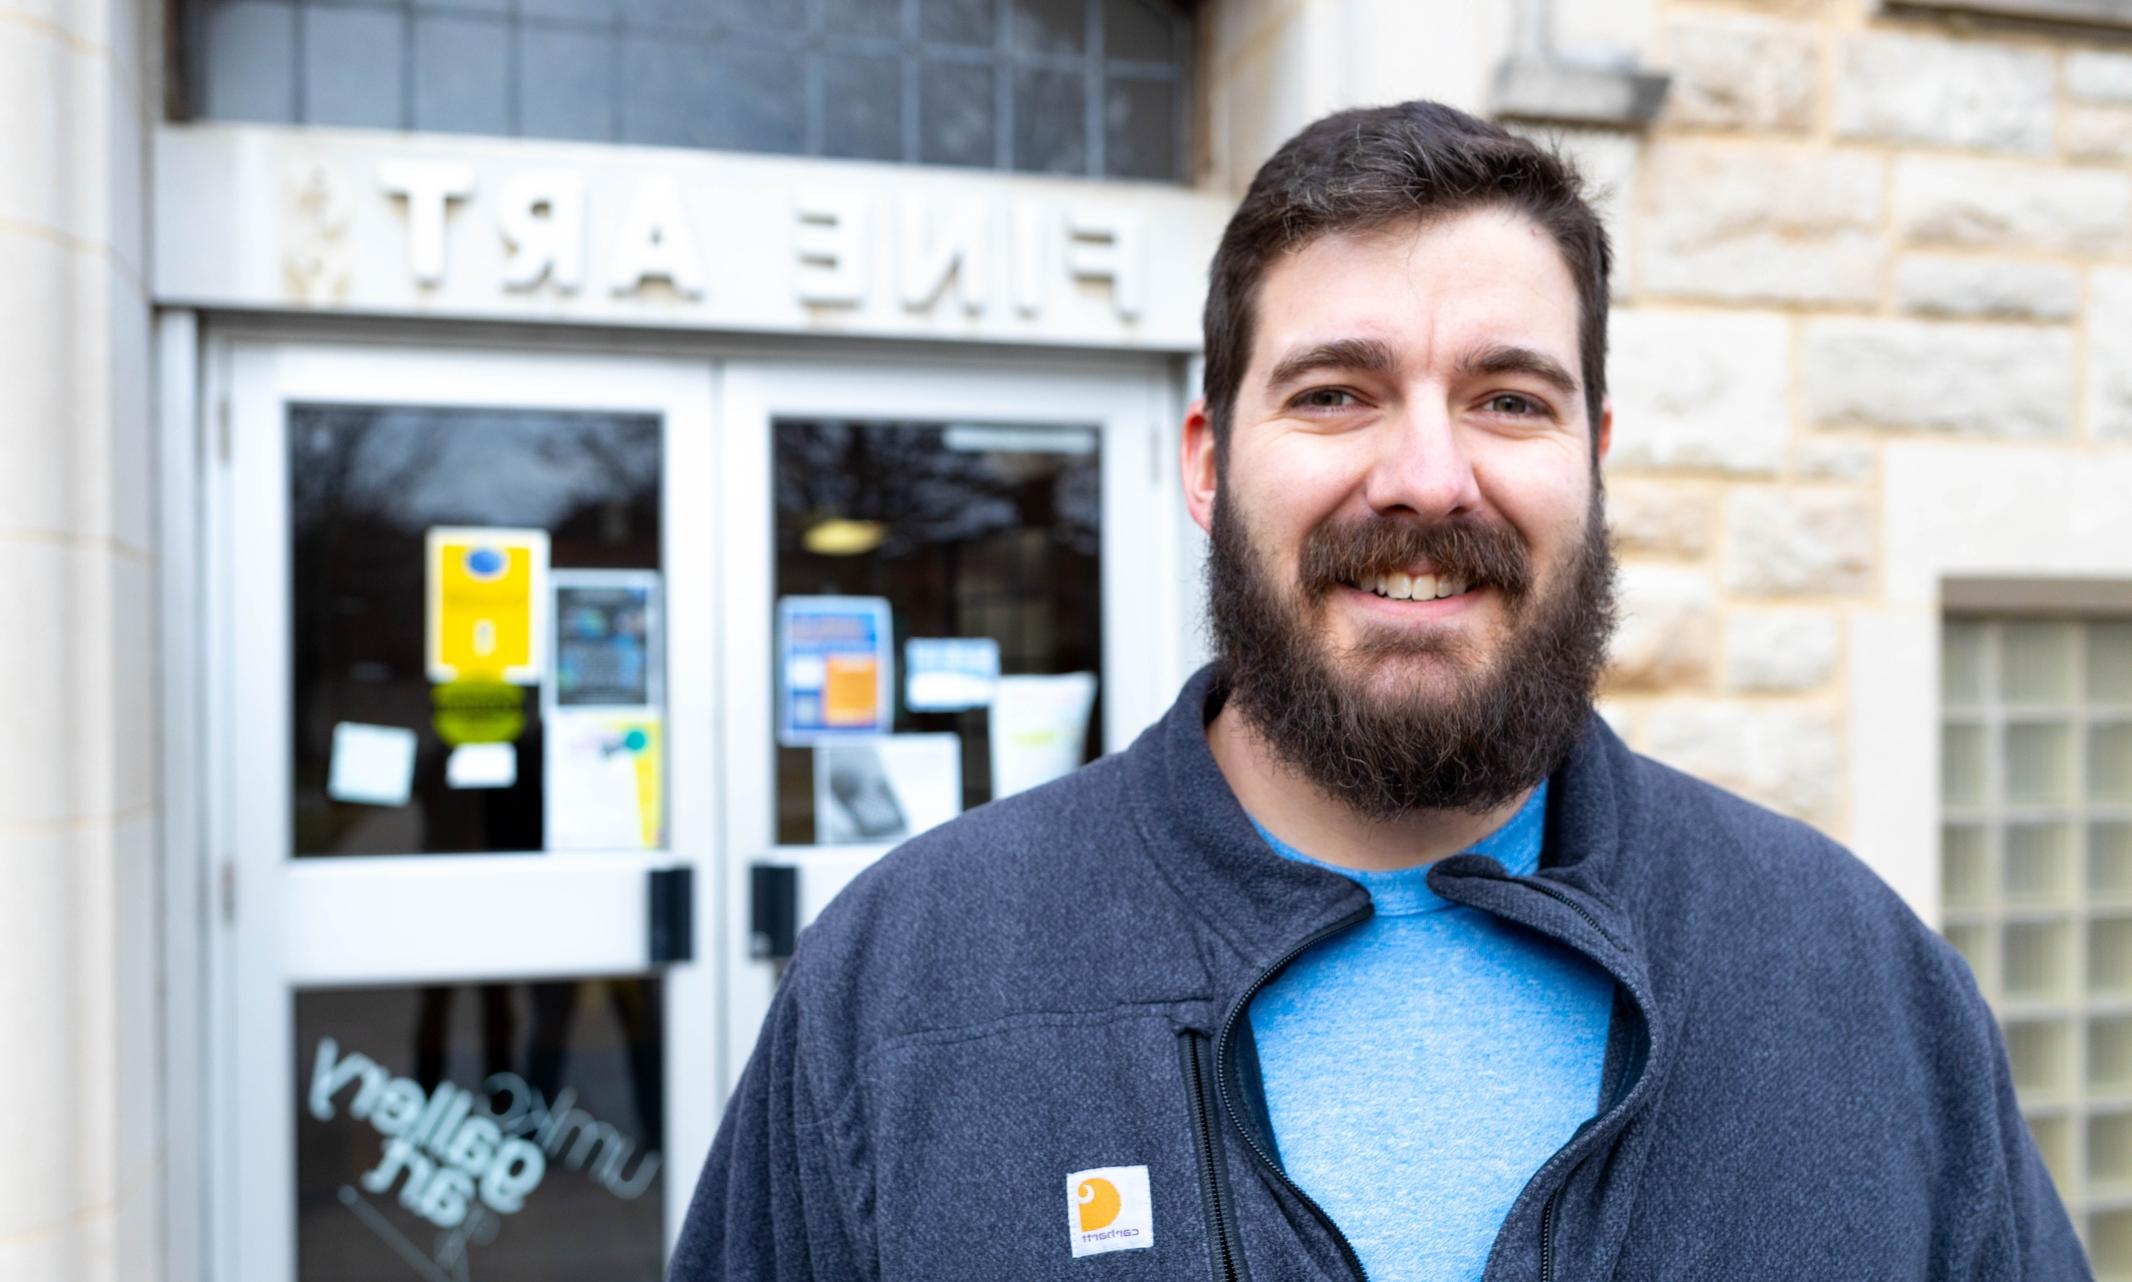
1375	167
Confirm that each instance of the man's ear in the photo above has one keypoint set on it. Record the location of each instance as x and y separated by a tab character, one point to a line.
1196	458
1604	428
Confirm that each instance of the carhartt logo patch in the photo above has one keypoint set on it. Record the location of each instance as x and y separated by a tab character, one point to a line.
1108	1209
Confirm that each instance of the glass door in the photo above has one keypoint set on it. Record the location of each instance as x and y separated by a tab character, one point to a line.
466	705
948	582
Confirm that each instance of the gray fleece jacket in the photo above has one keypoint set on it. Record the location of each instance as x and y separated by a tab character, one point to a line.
1801	1082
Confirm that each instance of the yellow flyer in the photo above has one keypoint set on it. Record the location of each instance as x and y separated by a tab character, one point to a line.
488	593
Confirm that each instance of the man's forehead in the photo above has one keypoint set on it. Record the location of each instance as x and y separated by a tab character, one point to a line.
1447	292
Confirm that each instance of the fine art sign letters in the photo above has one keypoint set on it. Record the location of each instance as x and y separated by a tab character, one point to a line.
506	229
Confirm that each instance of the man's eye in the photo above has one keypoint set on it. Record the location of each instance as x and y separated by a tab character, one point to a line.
1513	403
1325	398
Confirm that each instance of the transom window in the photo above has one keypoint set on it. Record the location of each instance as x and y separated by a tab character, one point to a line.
1088	87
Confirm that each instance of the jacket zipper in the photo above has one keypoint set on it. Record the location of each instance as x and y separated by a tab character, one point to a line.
1225	1252
1547	1234
1228	1106
1549	1208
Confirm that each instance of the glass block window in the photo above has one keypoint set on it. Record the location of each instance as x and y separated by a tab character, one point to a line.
2036	885
1096	88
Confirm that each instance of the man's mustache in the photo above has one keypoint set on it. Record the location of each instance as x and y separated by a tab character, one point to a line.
1478	552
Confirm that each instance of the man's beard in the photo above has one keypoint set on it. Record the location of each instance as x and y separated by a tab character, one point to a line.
1472	734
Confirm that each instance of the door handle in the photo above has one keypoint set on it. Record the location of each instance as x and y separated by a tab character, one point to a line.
773	911
671	914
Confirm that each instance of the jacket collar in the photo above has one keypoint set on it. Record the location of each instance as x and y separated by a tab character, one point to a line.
1262	905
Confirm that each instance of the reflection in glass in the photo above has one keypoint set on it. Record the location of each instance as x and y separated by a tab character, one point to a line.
1050	26
365	486
955	115
1051	121
478	1131
970	532
1140	128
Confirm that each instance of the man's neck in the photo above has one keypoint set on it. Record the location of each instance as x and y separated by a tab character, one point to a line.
1291	809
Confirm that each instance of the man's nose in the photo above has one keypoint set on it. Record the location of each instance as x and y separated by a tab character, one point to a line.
1421	467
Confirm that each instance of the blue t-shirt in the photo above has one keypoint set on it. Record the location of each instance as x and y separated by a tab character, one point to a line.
1420	1067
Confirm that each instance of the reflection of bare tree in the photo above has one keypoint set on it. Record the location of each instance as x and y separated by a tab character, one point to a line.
903	475
348	464
365	486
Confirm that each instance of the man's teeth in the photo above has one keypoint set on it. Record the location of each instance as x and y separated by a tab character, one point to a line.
1420	587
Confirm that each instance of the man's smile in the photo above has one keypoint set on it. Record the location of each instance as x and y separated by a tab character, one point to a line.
1420	585
1410	610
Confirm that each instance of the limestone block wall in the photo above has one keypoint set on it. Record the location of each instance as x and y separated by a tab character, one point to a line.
80	1190
1849	231
1849	228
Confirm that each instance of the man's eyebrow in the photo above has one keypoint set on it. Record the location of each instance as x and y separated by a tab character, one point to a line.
1365	355
1511	359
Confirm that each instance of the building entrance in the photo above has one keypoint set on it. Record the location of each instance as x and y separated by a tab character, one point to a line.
527	672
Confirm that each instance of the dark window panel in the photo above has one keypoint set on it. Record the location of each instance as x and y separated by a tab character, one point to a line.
1051	121
495	8
686	18
762	96
353	67
462	75
1139	129
965	22
669	98
593	12
824	77
878	18
1051	26
1144	29
566	84
759	15
250	62
956	114
862	107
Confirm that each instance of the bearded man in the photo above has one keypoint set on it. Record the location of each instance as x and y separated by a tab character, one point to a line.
1381	956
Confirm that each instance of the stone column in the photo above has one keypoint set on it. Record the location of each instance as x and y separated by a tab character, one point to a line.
80	1060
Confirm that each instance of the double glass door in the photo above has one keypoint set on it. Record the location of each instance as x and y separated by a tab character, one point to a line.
522	666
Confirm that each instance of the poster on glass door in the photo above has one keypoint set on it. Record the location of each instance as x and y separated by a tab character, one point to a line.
836	670
603	710
487	601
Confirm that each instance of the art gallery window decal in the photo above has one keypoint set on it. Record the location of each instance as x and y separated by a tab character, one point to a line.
449	1133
